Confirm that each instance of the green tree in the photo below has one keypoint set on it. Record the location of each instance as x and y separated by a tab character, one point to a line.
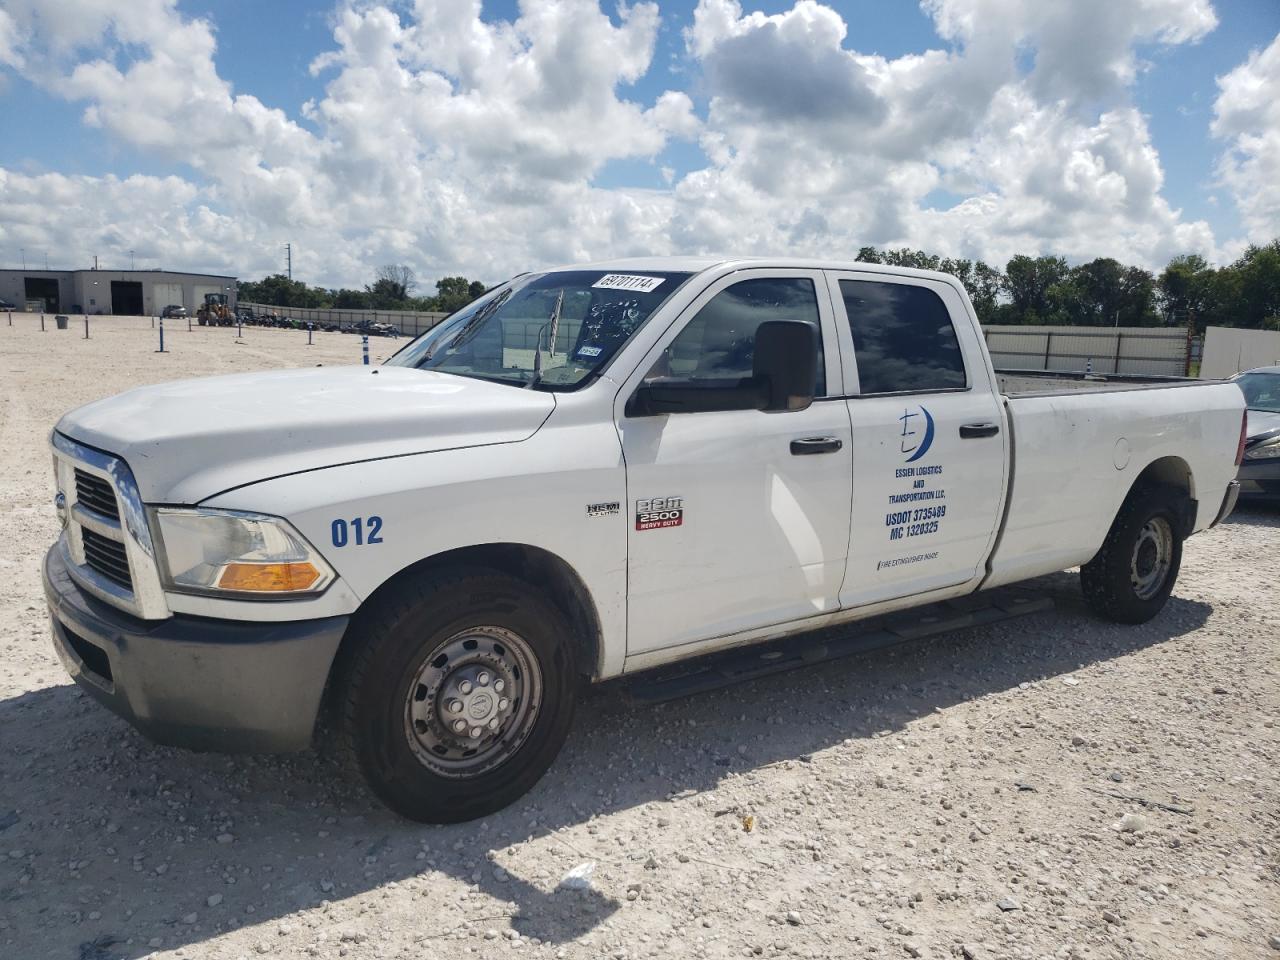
454	293
1027	281
1067	302
912	258
278	290
350	299
1138	298
1243	294
391	287
1259	296
1099	285
984	290
1186	287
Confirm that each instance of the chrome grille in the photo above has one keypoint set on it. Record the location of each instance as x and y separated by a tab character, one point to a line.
108	557
96	494
106	540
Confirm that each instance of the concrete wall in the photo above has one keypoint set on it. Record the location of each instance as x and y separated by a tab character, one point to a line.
1228	350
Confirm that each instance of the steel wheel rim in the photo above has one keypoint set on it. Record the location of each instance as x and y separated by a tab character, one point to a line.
1152	558
472	702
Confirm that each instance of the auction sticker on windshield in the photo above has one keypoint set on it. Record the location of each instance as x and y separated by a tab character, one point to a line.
626	281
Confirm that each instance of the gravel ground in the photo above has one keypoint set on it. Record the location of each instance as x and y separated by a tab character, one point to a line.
962	797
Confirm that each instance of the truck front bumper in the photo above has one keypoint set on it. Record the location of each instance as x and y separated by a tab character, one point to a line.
195	682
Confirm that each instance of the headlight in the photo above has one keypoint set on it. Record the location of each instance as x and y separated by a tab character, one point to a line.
223	552
1266	451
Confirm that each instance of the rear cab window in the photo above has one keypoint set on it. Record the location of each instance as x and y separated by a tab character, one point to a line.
904	339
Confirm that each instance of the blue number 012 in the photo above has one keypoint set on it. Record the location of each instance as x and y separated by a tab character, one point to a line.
361	530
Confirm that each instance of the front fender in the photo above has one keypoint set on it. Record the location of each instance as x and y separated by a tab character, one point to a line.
537	492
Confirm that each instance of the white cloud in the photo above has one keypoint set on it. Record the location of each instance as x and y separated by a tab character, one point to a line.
9	42
461	144
443	140
1056	184
816	147
1247	113
1085	49
165	220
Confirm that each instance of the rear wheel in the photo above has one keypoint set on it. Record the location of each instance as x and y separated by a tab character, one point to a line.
1130	579
460	696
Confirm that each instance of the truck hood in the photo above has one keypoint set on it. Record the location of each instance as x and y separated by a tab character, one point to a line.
190	439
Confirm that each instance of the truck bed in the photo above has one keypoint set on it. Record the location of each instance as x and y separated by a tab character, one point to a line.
1039	383
1076	454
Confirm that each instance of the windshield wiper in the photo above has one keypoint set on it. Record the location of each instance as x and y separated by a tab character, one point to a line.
554	324
472	326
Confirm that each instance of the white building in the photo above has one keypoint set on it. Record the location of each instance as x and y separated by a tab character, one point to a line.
123	292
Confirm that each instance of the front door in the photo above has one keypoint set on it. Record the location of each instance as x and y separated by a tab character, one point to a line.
738	519
928	437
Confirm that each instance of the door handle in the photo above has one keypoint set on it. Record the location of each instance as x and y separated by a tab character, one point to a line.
971	431
811	445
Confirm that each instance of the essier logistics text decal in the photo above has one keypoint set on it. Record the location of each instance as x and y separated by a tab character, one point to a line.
917	504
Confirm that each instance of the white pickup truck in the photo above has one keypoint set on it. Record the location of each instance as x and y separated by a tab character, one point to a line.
589	471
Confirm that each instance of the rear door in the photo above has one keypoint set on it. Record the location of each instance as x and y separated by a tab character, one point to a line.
928	435
737	519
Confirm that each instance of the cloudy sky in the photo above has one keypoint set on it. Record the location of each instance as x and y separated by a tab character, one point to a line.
483	138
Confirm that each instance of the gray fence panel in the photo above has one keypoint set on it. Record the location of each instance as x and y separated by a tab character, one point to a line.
408	322
1144	351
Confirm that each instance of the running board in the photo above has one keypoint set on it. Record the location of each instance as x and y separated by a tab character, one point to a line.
724	669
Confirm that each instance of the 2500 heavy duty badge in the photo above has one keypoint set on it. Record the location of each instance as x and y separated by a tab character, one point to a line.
660	512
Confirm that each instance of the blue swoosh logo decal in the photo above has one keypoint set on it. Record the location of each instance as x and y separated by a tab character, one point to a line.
927	442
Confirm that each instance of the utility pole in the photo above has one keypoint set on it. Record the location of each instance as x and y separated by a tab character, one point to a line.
130	259
288	253
95	261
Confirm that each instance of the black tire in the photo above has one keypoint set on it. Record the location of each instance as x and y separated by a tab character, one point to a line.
410	630
1132	575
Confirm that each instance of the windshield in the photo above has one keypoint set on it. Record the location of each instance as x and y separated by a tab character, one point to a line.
1261	391
575	319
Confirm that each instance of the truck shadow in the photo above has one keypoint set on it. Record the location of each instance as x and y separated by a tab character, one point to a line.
1255	514
110	841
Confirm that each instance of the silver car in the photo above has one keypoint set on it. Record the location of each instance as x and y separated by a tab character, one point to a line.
1260	470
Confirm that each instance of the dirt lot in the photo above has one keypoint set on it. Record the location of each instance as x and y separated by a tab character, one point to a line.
955	797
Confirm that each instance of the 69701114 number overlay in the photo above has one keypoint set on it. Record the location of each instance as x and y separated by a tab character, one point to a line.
358	532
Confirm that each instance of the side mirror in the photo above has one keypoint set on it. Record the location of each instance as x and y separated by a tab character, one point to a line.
784	376
786	361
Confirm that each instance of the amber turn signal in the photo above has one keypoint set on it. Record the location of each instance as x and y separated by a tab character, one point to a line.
268	577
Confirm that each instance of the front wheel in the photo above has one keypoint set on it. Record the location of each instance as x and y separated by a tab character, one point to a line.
460	695
1131	577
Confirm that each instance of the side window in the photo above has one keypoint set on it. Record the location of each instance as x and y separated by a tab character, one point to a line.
903	337
719	342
